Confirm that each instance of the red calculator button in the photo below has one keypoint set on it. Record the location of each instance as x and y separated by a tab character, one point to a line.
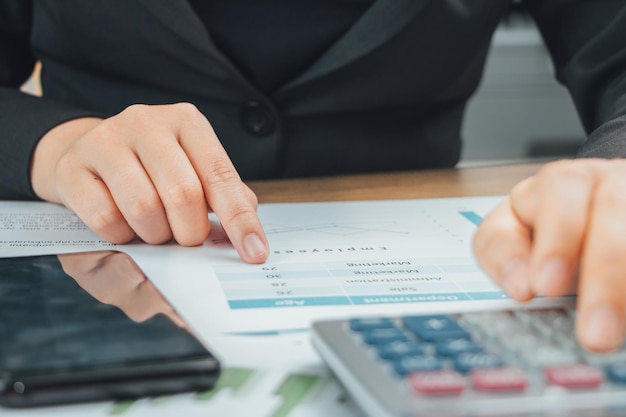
574	376
499	379
444	382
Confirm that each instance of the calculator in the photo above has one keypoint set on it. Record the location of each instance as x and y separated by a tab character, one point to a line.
502	362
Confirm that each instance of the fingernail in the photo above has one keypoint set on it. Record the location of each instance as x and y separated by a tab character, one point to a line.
514	279
254	246
603	329
550	273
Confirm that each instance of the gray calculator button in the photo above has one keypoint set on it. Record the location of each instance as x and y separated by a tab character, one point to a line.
548	355
466	362
419	363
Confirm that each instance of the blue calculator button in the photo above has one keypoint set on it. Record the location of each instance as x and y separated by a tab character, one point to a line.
456	346
435	327
396	350
359	325
617	372
420	363
466	362
383	336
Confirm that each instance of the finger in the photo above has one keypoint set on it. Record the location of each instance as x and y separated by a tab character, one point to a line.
135	196
561	192
601	308
82	191
231	200
502	247
178	187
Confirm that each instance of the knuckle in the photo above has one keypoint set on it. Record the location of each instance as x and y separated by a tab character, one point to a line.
137	114
103	131
186	108
608	191
189	113
102	221
136	111
184	194
241	213
221	172
252	197
144	207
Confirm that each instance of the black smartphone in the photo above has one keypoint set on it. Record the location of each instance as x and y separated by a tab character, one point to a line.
91	327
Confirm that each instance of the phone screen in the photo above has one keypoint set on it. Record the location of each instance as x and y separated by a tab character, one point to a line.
72	320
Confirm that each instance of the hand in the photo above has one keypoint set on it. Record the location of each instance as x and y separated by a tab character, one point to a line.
150	171
562	232
114	278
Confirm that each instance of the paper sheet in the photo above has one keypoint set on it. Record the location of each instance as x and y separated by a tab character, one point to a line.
329	260
38	228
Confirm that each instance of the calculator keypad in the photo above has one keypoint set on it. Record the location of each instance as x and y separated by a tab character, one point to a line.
487	352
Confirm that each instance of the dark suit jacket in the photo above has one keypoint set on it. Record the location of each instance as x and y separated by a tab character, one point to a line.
388	95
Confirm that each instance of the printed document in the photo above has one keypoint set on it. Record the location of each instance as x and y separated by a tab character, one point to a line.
331	259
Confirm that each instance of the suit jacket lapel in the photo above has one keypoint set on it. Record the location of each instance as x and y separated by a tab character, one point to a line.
179	17
380	22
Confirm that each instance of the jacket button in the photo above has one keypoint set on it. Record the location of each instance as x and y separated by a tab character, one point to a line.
257	119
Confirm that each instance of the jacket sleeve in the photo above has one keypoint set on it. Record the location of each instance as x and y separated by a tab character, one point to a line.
587	41
24	119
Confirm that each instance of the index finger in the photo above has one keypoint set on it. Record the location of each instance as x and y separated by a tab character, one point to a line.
232	201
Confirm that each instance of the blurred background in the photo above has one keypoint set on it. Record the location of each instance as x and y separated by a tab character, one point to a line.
519	111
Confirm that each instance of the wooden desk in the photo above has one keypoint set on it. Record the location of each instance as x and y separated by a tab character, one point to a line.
494	180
